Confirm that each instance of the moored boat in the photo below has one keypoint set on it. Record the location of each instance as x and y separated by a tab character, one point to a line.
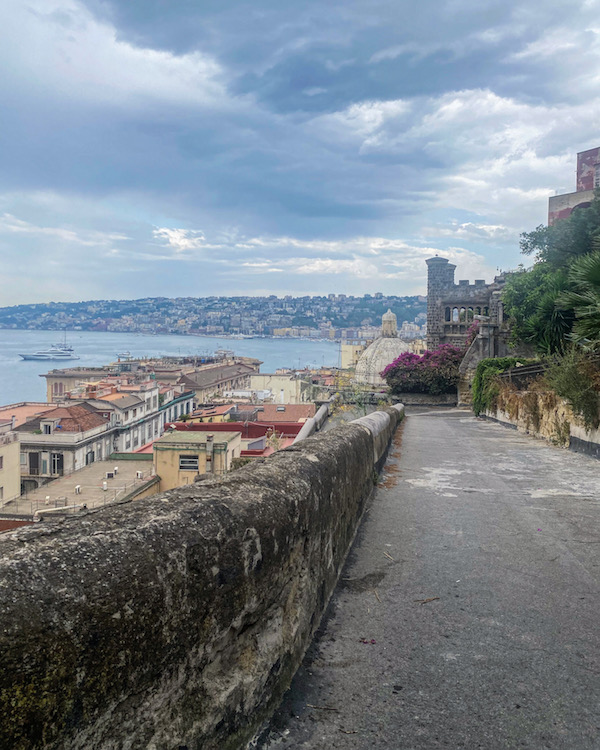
56	351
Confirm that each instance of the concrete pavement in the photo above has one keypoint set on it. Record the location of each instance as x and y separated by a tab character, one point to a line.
468	613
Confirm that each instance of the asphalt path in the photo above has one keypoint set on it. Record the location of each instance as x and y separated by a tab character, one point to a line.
468	613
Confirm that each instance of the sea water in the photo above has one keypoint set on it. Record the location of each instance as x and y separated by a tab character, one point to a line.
21	380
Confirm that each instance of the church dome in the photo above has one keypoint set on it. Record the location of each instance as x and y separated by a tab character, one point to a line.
381	352
376	358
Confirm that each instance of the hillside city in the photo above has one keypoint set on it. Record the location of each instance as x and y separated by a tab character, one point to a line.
334	316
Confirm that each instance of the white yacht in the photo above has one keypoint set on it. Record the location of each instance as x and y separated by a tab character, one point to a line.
56	351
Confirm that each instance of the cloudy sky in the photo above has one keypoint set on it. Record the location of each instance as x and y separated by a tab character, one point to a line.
199	147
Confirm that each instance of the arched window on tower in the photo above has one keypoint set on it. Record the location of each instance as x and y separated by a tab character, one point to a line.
470	315
447	315
455	314
463	314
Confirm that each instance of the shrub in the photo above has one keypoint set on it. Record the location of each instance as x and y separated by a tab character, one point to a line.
434	372
485	387
575	378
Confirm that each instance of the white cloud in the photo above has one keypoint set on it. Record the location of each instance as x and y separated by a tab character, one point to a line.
59	45
357	267
180	239
469	230
12	225
552	43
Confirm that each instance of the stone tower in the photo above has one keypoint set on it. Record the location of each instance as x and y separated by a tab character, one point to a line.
452	308
440	277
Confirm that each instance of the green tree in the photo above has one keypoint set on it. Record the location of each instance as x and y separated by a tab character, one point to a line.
529	302
562	243
583	297
530	296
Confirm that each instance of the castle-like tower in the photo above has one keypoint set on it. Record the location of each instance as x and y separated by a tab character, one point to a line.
452	308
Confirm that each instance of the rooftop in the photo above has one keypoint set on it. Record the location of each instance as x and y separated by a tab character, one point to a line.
171	439
285	412
77	418
61	492
24	411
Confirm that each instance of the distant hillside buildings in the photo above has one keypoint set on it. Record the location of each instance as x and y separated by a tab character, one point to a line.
333	317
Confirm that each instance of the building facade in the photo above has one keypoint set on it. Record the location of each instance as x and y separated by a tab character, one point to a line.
179	457
588	179
452	308
10	470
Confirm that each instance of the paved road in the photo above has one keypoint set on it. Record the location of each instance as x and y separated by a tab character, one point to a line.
474	581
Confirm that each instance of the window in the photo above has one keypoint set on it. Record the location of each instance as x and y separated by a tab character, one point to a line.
1	462
1	493
188	463
57	463
47	429
281	408
23	459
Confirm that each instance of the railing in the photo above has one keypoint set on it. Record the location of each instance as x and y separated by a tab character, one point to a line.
64	438
522	376
8	438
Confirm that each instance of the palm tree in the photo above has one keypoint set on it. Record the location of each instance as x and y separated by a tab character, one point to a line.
584	298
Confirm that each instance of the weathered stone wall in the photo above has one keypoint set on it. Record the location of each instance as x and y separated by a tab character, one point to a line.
545	415
428	399
178	621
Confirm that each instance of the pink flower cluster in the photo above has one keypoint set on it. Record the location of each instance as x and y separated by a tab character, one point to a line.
436	371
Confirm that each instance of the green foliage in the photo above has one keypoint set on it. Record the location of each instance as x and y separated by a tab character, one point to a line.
584	298
574	377
562	243
485	386
561	272
529	302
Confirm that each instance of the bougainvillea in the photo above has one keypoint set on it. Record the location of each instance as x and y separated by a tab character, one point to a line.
472	332
435	371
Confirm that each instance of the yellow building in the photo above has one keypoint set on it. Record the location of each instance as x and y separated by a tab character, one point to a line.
180	456
350	354
212	414
10	466
285	389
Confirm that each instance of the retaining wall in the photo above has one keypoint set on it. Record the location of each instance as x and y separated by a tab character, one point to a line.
545	415
179	621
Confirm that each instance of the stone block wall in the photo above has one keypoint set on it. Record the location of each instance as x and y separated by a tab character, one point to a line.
545	415
179	621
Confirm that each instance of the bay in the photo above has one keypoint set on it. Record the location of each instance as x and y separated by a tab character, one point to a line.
20	380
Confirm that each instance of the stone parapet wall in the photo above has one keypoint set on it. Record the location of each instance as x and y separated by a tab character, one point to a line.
428	399
179	621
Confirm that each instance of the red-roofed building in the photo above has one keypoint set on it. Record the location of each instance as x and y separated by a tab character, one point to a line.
61	441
